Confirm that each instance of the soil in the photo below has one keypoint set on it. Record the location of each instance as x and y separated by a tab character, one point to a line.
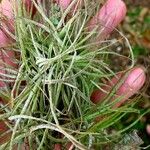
143	3
138	33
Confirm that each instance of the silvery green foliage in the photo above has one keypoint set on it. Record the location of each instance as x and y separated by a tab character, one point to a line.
130	141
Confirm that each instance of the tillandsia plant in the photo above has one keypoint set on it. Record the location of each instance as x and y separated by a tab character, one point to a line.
57	88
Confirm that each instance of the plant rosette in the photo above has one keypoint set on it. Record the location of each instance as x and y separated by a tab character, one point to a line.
63	50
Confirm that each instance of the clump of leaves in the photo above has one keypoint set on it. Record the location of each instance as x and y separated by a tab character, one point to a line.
60	65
